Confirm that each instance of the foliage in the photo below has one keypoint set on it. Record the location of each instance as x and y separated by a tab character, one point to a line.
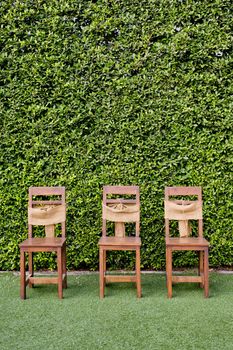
116	92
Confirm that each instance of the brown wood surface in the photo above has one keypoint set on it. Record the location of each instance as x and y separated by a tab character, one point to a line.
22	275
183	191
43	280
101	271
206	273
201	267
191	279
44	244
199	244
124	201
52	202
125	190
46	191
120	278
187	242
119	243
138	273
30	267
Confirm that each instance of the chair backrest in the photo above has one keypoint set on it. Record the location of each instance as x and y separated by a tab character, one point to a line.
47	211
122	209
183	210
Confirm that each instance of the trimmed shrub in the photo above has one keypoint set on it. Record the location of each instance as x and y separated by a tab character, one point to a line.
116	92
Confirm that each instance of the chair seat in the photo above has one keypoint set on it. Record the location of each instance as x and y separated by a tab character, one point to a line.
187	241
36	242
120	241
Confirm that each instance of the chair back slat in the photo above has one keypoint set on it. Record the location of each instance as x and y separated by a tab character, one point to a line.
51	202
183	191
47	191
121	190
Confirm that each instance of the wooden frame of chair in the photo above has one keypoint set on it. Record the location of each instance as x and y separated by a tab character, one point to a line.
199	244
119	243
50	243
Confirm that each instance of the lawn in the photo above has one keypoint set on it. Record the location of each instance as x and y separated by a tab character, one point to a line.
120	321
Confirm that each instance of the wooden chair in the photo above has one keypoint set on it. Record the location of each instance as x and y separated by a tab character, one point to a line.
184	211
120	211
47	213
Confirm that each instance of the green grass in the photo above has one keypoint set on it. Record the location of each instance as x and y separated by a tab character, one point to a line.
82	321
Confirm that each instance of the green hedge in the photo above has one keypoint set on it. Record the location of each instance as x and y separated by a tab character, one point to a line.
116	92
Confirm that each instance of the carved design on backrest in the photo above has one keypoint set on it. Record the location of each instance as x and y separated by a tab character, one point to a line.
183	210
121	210
46	212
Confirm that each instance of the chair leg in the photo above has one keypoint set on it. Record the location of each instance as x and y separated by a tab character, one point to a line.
206	273
169	271
64	270
101	271
201	267
104	264
22	275
138	273
104	260
59	270
30	268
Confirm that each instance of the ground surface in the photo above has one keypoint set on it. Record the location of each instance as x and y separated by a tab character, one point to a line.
82	321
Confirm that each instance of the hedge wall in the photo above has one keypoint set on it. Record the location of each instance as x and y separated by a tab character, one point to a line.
116	92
